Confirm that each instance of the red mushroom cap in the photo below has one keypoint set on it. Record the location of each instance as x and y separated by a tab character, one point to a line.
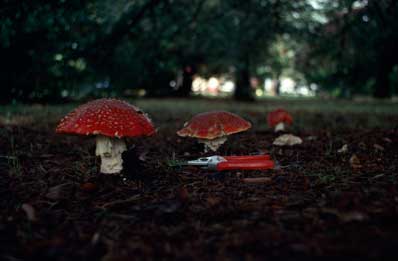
211	125
108	117
277	116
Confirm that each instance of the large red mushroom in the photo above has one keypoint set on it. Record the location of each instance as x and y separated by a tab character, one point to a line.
278	119
110	120
212	128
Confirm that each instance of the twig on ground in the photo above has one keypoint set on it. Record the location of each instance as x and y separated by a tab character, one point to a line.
115	203
263	180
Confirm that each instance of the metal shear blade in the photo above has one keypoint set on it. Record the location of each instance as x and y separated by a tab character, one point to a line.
206	162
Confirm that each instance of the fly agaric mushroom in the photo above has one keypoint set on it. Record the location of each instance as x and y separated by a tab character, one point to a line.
278	119
212	128
110	120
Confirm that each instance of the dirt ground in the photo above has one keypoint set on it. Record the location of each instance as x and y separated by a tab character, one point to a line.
320	203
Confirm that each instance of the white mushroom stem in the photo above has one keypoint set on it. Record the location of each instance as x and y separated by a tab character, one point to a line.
213	144
279	127
110	150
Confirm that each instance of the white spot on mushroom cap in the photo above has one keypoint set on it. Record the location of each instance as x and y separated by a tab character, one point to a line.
107	117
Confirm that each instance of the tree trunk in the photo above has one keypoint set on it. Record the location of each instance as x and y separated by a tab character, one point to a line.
383	88
277	84
185	88
243	90
386	63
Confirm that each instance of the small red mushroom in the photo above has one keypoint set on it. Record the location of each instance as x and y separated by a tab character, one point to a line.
110	120
278	119
212	128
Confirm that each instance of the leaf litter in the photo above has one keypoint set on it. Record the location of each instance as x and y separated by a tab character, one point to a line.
57	207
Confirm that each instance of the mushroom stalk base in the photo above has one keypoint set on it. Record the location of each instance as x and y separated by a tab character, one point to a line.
280	127
214	144
110	150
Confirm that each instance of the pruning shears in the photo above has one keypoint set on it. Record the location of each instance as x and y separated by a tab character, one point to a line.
220	163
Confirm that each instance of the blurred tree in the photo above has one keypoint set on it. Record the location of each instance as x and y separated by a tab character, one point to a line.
383	15
36	38
148	45
50	49
53	46
243	33
356	49
281	59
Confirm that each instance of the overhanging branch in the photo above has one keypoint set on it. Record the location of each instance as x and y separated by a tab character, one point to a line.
105	45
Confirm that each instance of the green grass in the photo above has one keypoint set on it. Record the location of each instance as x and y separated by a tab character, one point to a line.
308	113
297	104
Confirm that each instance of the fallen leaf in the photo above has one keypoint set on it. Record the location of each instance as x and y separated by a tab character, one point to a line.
287	140
302	248
95	238
362	145
355	162
46	156
60	191
387	140
311	138
352	216
343	149
29	211
345	217
262	180
120	202
88	187
213	201
378	176
263	151
378	147
182	194
143	156
165	207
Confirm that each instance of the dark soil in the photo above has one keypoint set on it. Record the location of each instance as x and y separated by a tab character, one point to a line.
55	205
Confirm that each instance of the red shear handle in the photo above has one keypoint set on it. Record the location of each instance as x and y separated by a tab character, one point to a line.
247	157
245	165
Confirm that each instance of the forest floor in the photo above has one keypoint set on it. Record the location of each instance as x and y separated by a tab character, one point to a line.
56	206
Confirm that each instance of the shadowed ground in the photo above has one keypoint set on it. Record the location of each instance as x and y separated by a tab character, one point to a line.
54	205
